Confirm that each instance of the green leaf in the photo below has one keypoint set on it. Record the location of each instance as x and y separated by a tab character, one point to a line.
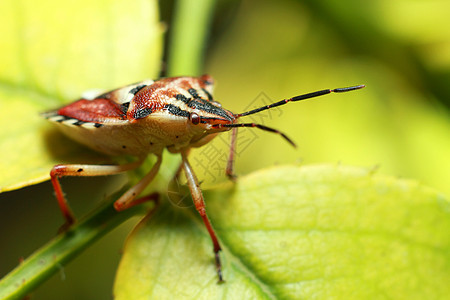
297	232
52	51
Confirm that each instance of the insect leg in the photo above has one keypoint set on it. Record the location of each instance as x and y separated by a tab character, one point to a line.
180	167
230	164
128	199
59	171
259	126
199	203
152	197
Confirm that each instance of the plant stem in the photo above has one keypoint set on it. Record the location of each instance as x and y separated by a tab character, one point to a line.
187	44
48	260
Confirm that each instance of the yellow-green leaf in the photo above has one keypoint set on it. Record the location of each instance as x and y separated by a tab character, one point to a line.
52	51
313	232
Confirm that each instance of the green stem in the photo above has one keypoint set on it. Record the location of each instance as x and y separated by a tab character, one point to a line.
189	32
48	260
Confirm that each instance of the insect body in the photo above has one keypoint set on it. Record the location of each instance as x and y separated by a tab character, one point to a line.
176	114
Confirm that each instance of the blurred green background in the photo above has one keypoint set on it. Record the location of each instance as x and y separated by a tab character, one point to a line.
264	51
399	49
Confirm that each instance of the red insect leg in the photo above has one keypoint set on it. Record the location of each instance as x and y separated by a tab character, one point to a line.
199	203
127	200
152	197
230	163
59	171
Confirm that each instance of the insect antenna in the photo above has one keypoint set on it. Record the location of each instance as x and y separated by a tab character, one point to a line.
282	102
298	98
262	127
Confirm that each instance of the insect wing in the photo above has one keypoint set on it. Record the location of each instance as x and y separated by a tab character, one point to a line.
106	108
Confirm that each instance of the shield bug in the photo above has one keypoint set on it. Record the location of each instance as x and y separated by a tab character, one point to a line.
144	118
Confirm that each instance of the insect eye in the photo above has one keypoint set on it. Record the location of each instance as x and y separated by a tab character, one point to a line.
195	119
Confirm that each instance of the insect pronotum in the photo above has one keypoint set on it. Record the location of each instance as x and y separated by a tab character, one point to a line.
144	118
